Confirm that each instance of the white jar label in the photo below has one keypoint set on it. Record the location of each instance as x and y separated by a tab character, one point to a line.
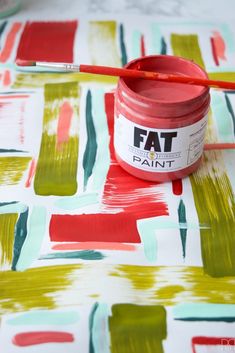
158	150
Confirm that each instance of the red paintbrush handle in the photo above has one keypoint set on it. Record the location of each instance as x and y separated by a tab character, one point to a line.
115	71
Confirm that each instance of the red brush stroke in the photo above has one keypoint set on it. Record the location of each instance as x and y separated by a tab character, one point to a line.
94	245
6	78
9	43
142	45
177	187
38	337
212	341
64	122
214	52
47	41
32	170
118	227
139	197
130	197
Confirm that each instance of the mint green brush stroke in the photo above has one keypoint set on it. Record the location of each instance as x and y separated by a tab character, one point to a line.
156	39
72	203
45	317
20	235
83	255
182	220
147	231
100	331
102	161
14	207
32	244
91	145
222	117
190	310
136	38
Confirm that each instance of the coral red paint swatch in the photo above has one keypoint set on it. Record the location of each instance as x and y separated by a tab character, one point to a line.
10	41
38	337
47	41
118	227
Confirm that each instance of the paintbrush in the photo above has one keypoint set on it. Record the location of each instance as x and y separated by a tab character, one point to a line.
127	73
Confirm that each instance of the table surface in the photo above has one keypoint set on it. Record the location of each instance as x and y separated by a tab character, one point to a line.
91	258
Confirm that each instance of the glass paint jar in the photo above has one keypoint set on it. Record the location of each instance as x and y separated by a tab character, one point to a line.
159	126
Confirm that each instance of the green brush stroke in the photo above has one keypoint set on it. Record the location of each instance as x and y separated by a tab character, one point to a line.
73	203
56	172
215	205
12	207
12	169
35	288
187	282
20	235
2	27
102	38
136	38
4	150
137	328
206	312
7	235
45	317
222	117
147	232
163	47
102	161
187	46
182	219
100	333
156	39
213	194
31	247
91	145
91	323
84	255
122	45
230	109
228	76
37	80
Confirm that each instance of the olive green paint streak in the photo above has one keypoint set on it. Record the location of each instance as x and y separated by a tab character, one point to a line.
102	38
34	288
223	76
187	46
137	328
213	194
215	206
37	80
7	236
12	169
57	167
167	285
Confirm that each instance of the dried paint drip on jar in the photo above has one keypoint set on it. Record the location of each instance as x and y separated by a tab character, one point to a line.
159	126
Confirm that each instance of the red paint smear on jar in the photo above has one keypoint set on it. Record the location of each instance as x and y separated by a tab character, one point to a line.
38	337
47	41
122	190
118	227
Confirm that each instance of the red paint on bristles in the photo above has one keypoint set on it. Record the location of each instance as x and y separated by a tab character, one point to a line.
21	62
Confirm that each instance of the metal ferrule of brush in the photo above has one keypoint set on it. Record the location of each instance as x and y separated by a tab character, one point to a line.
59	66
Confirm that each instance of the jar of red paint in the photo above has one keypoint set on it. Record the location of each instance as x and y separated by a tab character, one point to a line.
160	126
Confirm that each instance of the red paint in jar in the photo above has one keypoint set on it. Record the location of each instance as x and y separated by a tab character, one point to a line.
160	126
